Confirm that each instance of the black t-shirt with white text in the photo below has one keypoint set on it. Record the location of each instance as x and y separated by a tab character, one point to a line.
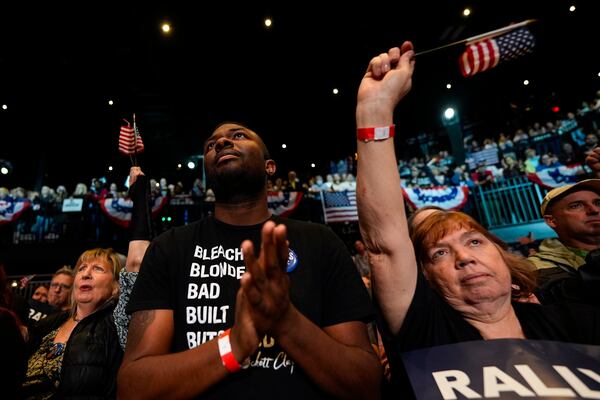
195	271
39	310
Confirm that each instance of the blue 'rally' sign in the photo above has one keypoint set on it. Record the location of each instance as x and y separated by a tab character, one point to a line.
505	369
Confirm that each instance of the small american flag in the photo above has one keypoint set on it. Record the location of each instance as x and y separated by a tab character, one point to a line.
130	141
488	53
339	206
25	281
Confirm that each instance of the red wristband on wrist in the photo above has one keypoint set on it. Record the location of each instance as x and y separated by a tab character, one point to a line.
227	357
377	133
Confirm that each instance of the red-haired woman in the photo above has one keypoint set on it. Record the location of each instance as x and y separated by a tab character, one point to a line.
458	283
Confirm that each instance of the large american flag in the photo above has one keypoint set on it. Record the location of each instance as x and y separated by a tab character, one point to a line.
130	141
488	53
339	206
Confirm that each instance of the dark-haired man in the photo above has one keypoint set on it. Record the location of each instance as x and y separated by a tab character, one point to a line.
211	317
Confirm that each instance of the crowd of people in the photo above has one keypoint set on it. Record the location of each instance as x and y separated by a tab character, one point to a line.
243	303
564	142
531	150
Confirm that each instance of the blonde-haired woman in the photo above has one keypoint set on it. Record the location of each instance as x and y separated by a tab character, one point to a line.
76	353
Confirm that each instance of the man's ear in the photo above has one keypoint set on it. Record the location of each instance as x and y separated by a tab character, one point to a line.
270	167
550	221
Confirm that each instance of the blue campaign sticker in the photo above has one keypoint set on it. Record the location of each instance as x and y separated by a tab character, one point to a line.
292	262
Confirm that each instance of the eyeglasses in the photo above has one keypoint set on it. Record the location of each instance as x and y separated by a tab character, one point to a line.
57	285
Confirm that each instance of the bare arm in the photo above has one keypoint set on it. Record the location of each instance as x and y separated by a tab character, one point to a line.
380	203
127	279
354	372
140	219
150	371
143	373
135	254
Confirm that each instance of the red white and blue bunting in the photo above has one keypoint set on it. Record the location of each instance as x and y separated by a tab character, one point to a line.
283	203
11	208
558	176
446	197
119	210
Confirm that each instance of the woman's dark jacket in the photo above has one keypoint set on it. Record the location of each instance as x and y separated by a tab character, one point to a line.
92	356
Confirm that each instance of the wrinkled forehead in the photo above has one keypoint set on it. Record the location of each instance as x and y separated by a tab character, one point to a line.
579	195
62	278
447	230
94	259
107	262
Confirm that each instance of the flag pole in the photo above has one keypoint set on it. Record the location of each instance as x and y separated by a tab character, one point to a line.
473	39
499	31
134	142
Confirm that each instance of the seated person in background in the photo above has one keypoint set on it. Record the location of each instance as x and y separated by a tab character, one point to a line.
58	296
60	289
573	211
294	184
458	282
77	352
360	259
568	155
548	160
532	160
38	304
40	294
511	167
482	176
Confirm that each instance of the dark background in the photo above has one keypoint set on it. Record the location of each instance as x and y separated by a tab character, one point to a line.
60	64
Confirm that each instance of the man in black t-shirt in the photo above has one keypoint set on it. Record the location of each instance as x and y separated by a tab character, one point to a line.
212	317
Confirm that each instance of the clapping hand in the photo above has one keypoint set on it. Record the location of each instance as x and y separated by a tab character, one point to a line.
266	284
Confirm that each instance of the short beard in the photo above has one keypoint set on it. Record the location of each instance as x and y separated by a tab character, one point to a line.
235	186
